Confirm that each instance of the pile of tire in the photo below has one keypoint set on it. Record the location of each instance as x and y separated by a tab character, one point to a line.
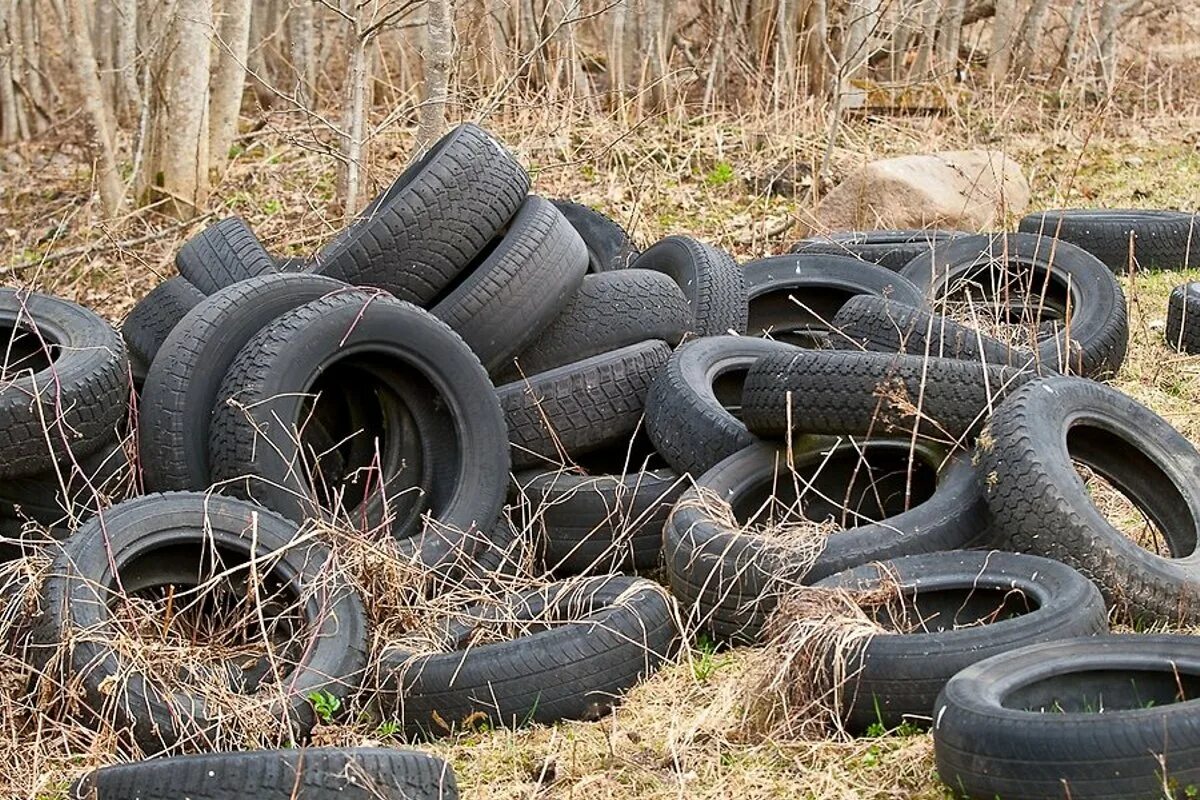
678	441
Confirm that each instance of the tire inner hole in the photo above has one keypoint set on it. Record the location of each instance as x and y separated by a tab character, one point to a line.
1096	691
24	352
801	316
1020	304
933	610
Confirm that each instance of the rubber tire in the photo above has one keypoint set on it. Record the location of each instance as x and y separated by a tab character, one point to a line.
609	246
879	325
417	236
1040	505
897	676
521	286
693	428
72	492
1183	318
182	388
622	630
1162	239
326	773
223	254
873	394
710	279
1099	322
83	395
723	577
985	749
580	407
591	524
890	249
790	295
153	318
76	595
611	310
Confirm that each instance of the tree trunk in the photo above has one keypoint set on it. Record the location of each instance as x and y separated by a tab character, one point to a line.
184	162
105	49
303	51
1111	14
125	20
950	37
229	79
1003	31
923	64
785	51
1031	35
816	46
9	128
1068	60
355	116
618	52
862	18
435	63
84	58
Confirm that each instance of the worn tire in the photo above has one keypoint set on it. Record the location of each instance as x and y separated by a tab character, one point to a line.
157	541
967	606
609	246
581	407
1025	723
794	298
710	279
1067	277
1040	504
65	386
418	236
890	249
728	580
587	641
693	406
70	493
1183	318
153	318
223	254
1161	239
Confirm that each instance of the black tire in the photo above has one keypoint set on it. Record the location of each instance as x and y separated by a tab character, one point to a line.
223	254
609	246
954	609
441	438
520	286
611	310
890	249
1183	318
65	386
693	407
710	279
1160	239
873	394
1040	504
566	412
184	539
154	317
357	773
1040	278
72	492
181	390
794	298
1025	723
417	236
728	579
593	523
585	642
880	325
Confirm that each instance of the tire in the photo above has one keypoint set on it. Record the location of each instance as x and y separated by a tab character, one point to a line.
710	279
223	254
182	388
609	246
70	493
353	773
879	325
419	235
578	408
1161	239
1183	318
693	406
610	311
1040	505
1022	723
966	606
154	317
163	540
65	385
873	394
594	523
1054	278
441	434
794	298
520	287
727	578
603	635
890	249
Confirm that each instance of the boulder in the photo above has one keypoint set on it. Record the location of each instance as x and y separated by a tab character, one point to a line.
968	190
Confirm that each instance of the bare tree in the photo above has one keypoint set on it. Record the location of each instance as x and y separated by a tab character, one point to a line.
125	24
950	35
229	78
9	125
436	59
183	162
1111	15
1031	34
112	191
931	12
301	33
1003	29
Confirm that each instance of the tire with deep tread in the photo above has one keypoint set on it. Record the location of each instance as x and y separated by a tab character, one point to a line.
1160	239
1183	318
223	254
710	279
153	318
70	493
609	246
890	249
